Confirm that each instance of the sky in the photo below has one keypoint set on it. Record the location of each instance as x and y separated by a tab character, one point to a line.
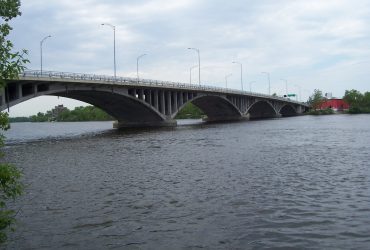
312	44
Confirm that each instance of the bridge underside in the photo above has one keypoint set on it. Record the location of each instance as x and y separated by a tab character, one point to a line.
261	110
287	111
217	108
128	111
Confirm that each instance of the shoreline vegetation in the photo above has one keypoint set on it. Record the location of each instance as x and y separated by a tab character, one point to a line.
62	114
359	103
322	112
91	113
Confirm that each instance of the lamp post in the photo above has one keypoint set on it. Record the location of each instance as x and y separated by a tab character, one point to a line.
250	85
191	69
114	45
268	77
227	76
41	43
137	66
197	50
286	86
241	73
300	92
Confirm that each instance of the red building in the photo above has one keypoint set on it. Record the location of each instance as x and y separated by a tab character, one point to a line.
335	104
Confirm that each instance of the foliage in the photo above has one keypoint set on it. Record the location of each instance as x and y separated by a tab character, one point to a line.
11	64
359	103
19	119
10	188
79	114
327	111
190	111
316	99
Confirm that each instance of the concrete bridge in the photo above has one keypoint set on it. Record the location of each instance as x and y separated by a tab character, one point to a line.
139	103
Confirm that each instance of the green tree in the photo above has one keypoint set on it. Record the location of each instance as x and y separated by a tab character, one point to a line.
353	97
190	111
316	99
366	100
358	102
11	64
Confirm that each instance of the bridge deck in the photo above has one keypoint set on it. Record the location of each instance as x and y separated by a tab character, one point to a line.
54	76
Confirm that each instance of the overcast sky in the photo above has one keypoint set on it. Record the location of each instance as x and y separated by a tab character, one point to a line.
320	44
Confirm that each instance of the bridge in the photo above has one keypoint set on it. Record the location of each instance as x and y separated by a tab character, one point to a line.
145	103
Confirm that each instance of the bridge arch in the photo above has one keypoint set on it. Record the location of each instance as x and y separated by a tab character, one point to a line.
217	108
121	106
288	110
124	108
261	109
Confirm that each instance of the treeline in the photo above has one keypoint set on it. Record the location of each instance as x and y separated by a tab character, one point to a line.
79	114
359	103
19	119
190	111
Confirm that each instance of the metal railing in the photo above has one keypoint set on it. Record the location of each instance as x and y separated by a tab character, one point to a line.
124	81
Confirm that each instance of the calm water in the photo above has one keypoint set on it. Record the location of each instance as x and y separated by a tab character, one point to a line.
300	182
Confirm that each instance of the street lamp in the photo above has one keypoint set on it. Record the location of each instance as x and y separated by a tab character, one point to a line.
114	45
250	85
137	66
268	77
197	50
286	86
227	76
300	92
191	69
41	43
241	73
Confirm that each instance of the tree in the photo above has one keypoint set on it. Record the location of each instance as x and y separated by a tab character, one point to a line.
353	97
358	102
11	64
316	99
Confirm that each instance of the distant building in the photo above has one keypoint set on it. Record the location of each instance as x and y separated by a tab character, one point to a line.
335	104
56	111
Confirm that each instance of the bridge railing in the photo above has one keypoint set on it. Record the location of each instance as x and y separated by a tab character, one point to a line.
144	82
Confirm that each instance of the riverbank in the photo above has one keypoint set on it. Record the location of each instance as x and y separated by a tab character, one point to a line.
321	112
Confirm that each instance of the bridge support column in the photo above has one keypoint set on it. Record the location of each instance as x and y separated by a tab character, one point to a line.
181	102
141	94
168	109
162	102
227	118
156	99
148	96
19	91
174	102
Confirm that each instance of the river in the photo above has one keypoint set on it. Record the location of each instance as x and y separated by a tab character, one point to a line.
299	182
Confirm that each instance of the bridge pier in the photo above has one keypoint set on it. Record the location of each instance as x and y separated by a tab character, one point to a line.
227	118
123	124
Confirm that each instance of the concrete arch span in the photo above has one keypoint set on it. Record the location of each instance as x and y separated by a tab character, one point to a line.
217	108
128	110
124	108
262	109
288	110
